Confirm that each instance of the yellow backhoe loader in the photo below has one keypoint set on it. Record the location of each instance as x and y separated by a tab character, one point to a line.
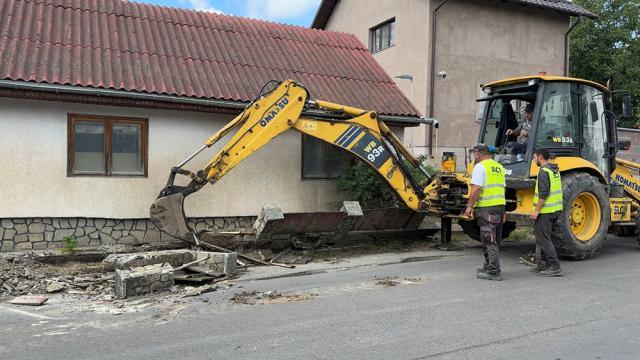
573	118
288	106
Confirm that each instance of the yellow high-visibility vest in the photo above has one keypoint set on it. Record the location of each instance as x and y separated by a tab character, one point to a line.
553	202
493	189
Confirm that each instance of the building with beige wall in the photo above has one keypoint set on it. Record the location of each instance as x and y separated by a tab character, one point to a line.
472	42
93	119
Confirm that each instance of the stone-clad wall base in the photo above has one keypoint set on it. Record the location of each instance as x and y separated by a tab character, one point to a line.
19	234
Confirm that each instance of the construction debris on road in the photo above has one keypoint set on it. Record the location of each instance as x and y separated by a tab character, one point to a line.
268	297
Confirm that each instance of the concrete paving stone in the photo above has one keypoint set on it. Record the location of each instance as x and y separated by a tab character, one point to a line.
79	232
6	223
82	222
48	235
73	222
19	221
107	230
119	226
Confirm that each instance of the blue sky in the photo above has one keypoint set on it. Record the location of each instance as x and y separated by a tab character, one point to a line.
296	12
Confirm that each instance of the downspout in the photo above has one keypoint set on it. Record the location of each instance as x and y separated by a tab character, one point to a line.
432	72
566	46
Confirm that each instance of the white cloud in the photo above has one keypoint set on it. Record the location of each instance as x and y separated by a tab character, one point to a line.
202	5
279	10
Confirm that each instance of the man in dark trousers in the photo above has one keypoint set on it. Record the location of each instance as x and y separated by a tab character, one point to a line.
547	202
487	199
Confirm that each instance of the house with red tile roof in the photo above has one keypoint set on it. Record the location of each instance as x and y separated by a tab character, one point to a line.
100	98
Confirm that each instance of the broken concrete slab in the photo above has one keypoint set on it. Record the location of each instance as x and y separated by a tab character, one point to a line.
354	213
270	216
29	300
218	261
143	280
128	261
55	286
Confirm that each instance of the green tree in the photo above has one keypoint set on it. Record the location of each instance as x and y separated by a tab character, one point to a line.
358	181
609	48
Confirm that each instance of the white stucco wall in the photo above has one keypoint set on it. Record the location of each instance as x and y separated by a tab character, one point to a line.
34	181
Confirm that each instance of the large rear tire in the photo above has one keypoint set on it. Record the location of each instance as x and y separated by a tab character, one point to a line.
584	222
472	230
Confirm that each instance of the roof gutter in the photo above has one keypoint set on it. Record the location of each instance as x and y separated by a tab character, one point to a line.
224	104
566	46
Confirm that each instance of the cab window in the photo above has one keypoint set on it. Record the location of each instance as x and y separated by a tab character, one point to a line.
558	123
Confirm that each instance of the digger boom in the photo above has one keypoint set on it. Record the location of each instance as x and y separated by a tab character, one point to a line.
360	132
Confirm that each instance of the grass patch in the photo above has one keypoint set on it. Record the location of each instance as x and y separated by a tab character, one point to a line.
520	234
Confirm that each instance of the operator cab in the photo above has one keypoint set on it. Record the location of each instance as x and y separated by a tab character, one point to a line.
564	115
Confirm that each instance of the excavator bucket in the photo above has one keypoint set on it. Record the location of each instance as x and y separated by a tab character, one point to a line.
167	214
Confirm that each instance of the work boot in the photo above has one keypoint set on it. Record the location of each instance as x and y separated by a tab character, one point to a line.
551	271
489	276
482	269
542	266
528	259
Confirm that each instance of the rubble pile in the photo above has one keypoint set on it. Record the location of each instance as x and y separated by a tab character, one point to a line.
268	297
25	275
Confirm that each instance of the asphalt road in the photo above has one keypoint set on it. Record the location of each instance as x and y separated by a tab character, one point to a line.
591	313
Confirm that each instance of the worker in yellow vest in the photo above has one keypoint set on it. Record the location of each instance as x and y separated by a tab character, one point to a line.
547	207
486	198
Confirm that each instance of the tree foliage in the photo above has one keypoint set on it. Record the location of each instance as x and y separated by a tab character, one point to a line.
361	183
609	48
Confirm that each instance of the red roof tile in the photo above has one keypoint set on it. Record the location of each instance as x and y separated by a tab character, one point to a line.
123	45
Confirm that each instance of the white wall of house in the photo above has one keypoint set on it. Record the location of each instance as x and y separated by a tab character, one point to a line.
34	181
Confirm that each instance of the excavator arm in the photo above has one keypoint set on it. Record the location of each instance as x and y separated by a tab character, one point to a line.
287	107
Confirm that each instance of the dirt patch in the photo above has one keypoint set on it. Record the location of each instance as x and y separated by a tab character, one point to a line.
268	297
389	281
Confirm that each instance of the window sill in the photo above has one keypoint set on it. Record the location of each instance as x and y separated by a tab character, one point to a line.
375	52
109	176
